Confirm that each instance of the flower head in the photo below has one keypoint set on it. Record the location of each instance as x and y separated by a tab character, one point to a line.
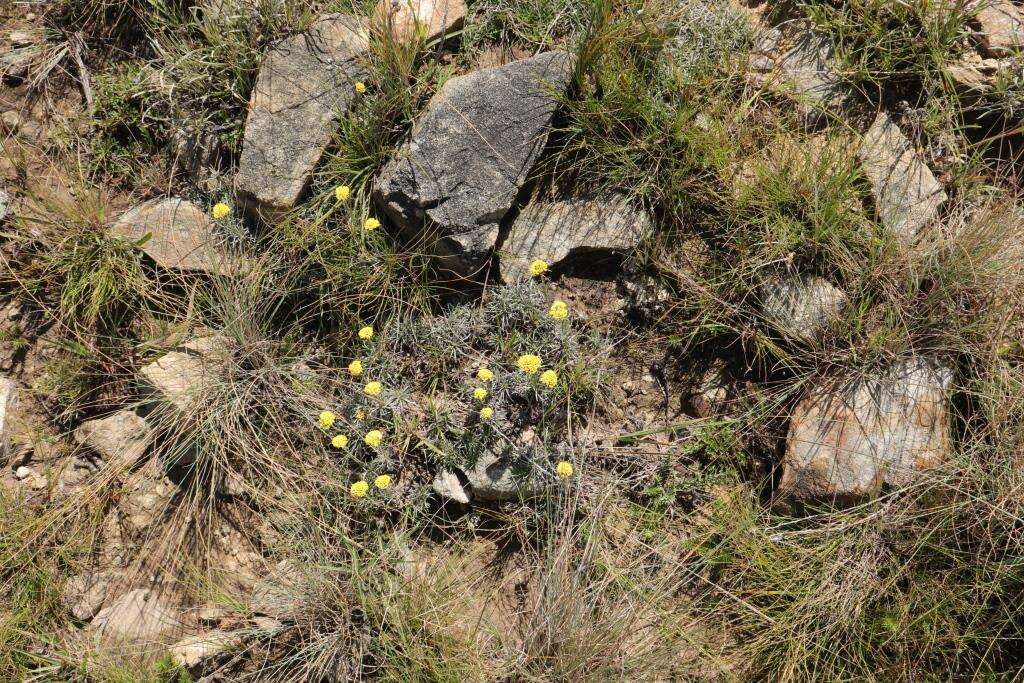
373	438
360	87
326	419
371	224
484	375
221	211
341	192
564	469
383	481
340	441
355	368
549	378
479	393
559	311
366	333
359	489
486	413
529	363
538	267
373	388
360	414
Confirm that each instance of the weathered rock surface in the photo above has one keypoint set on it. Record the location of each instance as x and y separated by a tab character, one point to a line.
1000	27
84	594
469	154
907	195
802	306
587	233
122	437
178	235
5	205
279	594
138	617
793	59
495	478
196	651
8	402
410	20
305	84
847	438
447	485
179	378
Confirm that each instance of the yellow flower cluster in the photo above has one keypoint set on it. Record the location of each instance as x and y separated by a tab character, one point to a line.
538	267
549	378
366	333
373	438
221	211
355	368
480	393
564	469
373	388
371	224
326	420
559	310
360	87
360	488
484	375
342	192
340	441
529	363
486	413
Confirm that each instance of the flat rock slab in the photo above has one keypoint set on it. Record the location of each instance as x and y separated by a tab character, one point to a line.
122	437
907	195
306	82
410	20
802	306
139	617
178	235
794	60
847	438
494	478
469	154
1000	27
582	233
180	378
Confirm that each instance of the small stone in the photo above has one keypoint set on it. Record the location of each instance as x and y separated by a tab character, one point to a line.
22	39
8	404
588	235
23	472
802	306
410	20
305	84
1000	27
5	206
178	235
849	437
84	594
195	651
907	195
468	156
11	121
139	617
122	437
447	485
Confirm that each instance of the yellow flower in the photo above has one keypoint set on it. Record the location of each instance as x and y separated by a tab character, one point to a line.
341	192
549	378
360	87
360	414
359	489
538	267
355	368
479	393
484	375
486	413
326	419
373	388
221	211
366	333
340	441
373	438
371	224
529	363
383	481
564	469
559	311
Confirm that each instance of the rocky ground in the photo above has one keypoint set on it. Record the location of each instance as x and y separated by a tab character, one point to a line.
511	340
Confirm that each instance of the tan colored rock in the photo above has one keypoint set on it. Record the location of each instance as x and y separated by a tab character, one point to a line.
8	403
907	195
122	437
1000	27
796	61
447	485
84	594
305	84
180	378
177	235
139	617
409	20
849	437
195	651
802	307
585	234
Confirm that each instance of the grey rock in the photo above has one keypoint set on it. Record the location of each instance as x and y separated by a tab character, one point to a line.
84	594
847	438
178	235
793	59
802	306
5	205
586	233
411	20
305	84
1000	27
907	195
122	437
8	404
469	154
447	485
138	617
180	378
495	478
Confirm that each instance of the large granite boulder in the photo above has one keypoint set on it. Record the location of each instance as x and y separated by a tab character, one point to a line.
305	84
801	307
468	156
177	235
848	438
907	195
588	233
